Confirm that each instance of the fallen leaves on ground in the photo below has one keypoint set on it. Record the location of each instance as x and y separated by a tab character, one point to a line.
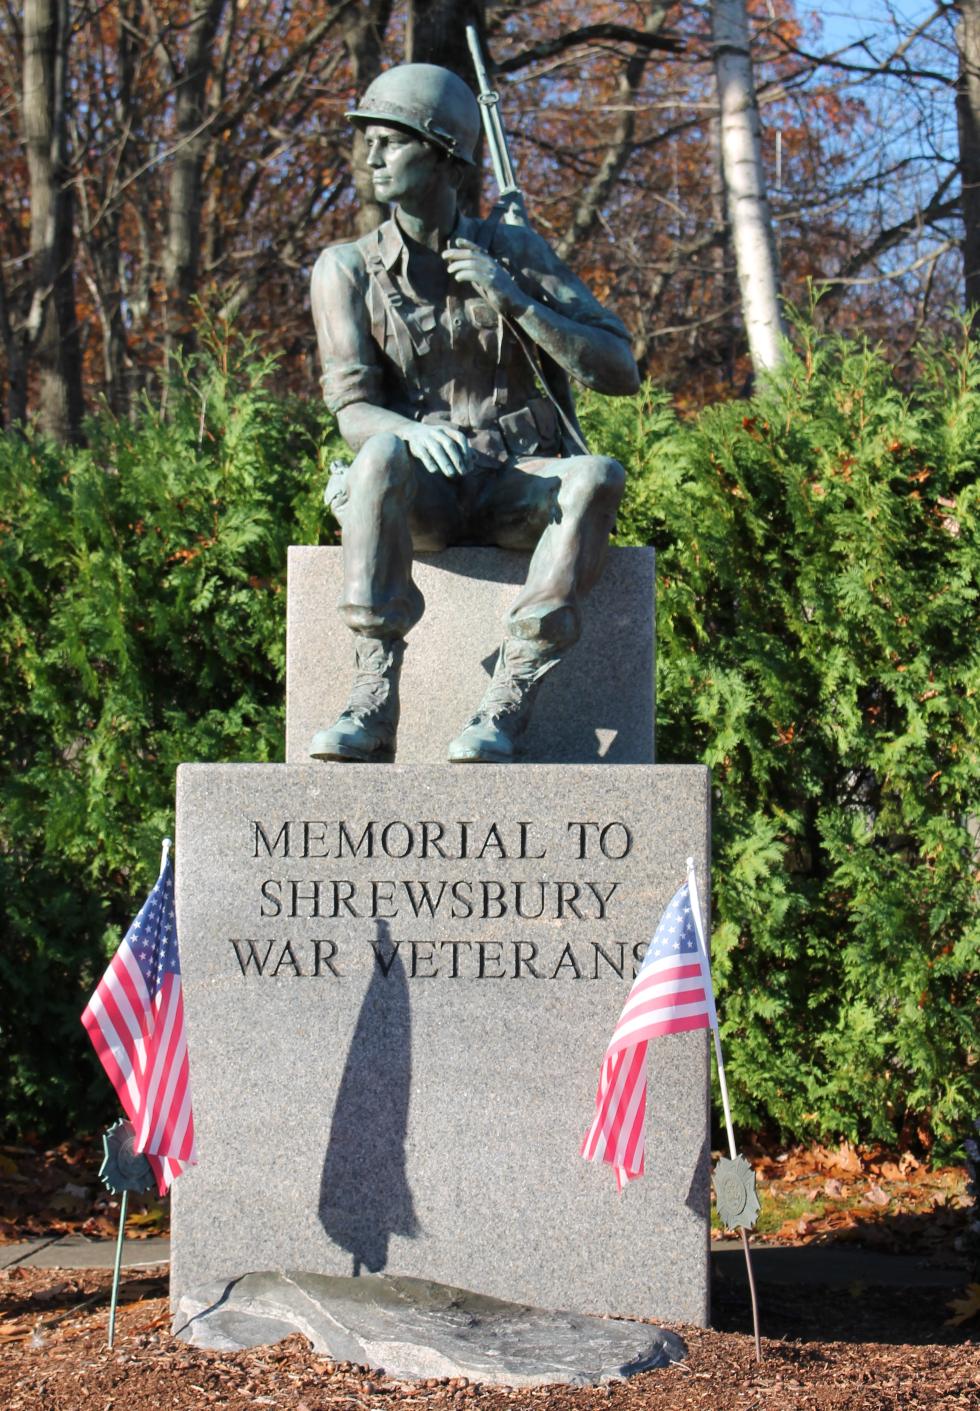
64	1364
57	1191
886	1201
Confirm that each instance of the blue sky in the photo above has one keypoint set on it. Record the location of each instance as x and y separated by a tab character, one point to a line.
847	20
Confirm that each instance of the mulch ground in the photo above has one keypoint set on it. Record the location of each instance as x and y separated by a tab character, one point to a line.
869	1350
860	1348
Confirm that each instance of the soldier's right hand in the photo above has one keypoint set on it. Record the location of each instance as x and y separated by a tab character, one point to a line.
442	449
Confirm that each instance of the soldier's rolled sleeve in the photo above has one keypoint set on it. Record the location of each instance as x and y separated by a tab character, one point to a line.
348	356
556	285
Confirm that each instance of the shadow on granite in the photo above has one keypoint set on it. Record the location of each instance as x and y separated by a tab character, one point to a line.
364	1192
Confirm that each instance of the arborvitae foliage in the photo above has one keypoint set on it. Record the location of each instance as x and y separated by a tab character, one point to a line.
818	574
142	623
818	647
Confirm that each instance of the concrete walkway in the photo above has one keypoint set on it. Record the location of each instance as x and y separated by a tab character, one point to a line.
828	1265
78	1252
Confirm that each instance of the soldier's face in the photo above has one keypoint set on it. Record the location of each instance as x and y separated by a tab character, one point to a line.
401	165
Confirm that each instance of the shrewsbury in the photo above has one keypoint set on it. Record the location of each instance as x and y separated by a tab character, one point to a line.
484	900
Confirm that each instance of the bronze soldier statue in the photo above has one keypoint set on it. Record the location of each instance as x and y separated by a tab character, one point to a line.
447	344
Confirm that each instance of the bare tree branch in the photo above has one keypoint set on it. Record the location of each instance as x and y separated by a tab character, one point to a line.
622	34
937	209
620	149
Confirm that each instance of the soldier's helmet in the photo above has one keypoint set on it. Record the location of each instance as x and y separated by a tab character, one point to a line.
428	100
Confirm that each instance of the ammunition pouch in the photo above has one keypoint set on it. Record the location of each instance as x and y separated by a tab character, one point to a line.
533	430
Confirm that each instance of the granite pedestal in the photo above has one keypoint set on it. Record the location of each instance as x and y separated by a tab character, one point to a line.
599	705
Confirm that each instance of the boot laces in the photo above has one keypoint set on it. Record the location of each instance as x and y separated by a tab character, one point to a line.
504	695
515	675
372	685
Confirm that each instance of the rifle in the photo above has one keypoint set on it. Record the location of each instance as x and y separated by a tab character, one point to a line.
511	198
513	212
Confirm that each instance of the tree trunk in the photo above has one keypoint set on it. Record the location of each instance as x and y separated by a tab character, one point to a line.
363	28
437	35
180	259
745	184
52	325
13	345
726	294
117	359
968	123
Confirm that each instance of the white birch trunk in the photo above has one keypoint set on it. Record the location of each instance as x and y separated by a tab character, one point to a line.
745	183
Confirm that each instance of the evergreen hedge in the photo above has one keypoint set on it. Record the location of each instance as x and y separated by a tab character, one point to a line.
818	571
142	623
818	648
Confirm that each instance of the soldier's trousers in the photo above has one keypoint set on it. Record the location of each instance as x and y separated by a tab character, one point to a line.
390	505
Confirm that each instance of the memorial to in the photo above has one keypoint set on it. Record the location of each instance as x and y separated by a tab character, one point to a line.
405	949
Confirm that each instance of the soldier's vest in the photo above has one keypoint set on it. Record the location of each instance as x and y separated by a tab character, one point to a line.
513	416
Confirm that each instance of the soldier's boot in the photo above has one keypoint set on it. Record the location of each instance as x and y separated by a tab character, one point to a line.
367	727
494	734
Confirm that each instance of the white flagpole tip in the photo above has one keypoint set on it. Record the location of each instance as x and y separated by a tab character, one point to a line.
167	845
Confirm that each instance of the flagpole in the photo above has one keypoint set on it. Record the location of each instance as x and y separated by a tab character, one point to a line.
165	852
692	883
115	1273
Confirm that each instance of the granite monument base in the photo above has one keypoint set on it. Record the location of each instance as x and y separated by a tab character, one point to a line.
400	981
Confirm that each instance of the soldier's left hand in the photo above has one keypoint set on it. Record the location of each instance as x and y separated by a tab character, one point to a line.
468	264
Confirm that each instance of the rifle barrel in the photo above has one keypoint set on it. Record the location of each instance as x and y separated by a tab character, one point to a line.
503	169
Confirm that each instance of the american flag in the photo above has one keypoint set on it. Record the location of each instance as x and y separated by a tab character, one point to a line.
135	1019
671	993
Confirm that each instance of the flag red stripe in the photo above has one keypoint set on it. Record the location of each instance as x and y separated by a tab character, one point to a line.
661	1001
106	1047
112	1026
158	1069
652	1024
649	1003
632	1112
606	1076
170	1061
165	1112
633	1108
664	984
621	1101
611	1079
183	1138
125	1003
683	1024
656	975
604	1079
632	1157
173	1134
